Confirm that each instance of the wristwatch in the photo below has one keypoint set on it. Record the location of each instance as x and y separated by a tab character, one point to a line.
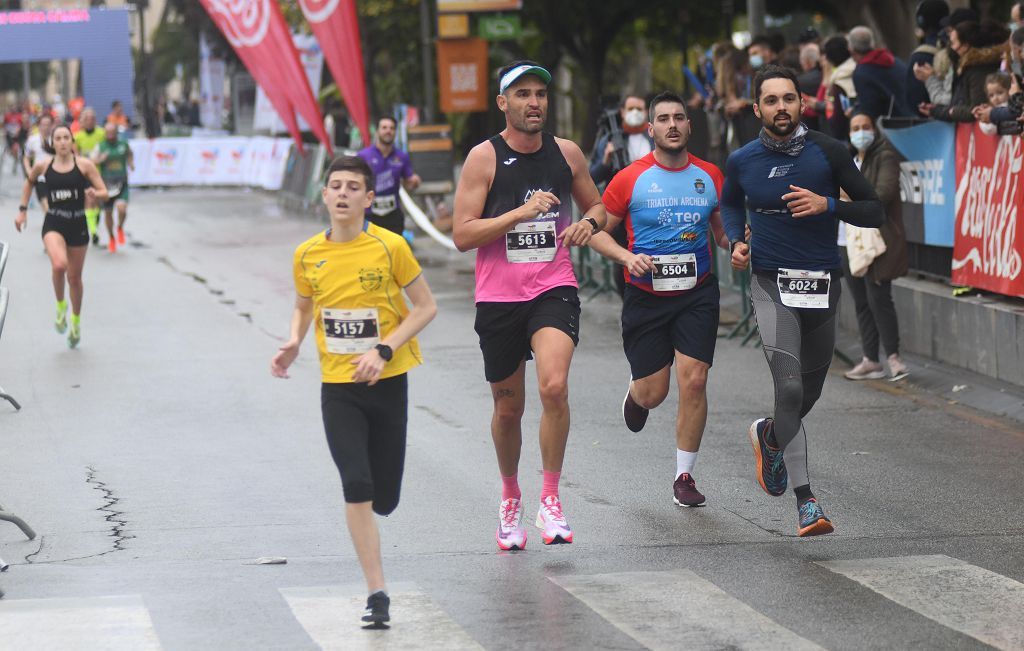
22	208
593	224
732	245
385	352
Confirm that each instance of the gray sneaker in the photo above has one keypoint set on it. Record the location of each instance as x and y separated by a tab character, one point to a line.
897	369
865	370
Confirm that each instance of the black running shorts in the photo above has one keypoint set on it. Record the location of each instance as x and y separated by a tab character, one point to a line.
655	326
73	230
505	329
394	221
365	427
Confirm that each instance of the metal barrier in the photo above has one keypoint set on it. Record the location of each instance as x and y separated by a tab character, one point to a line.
4	298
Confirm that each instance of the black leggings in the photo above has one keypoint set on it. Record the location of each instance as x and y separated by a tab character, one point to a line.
798	343
365	429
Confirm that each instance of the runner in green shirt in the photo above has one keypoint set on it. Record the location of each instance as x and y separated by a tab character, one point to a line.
114	158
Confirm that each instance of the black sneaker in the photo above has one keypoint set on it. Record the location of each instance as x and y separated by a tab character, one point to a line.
95	239
686	493
376	613
633	414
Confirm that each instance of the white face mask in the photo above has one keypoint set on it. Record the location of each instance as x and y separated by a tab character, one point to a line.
862	139
634	118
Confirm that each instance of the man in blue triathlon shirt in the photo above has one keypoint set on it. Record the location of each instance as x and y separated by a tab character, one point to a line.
788	182
390	166
668	200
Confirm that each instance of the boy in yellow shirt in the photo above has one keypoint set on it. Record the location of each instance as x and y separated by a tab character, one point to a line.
350	279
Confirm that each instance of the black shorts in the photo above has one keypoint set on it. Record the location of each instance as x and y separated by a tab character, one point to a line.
394	221
365	427
73	230
505	329
654	327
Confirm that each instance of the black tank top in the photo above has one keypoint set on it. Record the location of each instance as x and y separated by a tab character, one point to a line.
66	191
517	176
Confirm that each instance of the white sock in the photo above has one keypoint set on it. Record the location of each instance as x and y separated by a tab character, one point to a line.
685	462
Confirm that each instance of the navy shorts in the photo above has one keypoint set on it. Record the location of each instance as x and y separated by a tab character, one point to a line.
505	329
655	326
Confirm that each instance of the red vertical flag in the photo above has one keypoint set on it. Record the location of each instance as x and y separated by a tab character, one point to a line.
336	26
257	31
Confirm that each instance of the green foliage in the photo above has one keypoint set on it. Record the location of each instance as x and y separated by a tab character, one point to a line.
392	52
174	43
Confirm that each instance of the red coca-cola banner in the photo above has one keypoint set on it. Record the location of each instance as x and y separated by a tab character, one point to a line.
988	241
336	26
257	31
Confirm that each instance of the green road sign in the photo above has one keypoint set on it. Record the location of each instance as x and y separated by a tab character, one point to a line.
499	28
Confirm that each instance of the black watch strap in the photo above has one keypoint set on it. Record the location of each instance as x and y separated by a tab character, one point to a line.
593	224
22	208
385	352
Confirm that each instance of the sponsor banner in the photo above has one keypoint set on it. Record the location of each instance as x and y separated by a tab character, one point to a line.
988	240
211	87
257	161
335	24
257	30
265	117
927	176
462	74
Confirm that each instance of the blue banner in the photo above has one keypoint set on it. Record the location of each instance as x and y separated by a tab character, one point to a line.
928	176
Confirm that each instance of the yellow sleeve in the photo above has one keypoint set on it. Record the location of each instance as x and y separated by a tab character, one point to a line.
302	285
404	265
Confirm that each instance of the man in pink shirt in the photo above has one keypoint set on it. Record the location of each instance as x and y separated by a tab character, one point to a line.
513	205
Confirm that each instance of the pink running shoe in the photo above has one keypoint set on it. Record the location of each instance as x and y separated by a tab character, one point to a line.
511	534
552	522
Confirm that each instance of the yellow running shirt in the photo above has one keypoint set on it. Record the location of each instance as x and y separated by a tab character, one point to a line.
86	141
356	289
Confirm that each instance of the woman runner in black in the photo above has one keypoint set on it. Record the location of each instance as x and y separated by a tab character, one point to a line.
69	181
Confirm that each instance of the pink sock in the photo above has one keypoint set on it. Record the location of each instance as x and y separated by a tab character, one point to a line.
510	488
550	484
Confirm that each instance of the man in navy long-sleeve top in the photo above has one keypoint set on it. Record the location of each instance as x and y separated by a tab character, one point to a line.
788	182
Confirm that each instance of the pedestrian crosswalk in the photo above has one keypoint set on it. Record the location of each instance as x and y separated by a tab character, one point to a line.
670	609
679	610
112	623
987	606
328	612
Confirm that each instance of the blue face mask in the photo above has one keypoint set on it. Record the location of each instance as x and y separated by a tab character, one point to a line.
756	61
862	139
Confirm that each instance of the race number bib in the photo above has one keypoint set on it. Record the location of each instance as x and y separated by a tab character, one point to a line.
351	332
673	273
807	289
384	204
531	242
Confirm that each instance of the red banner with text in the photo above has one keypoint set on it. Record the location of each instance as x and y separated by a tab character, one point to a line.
258	33
336	26
988	242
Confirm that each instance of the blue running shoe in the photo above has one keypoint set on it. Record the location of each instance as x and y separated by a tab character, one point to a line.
812	520
771	469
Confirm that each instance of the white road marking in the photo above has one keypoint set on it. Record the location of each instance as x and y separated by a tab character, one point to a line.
330	615
679	610
977	602
88	624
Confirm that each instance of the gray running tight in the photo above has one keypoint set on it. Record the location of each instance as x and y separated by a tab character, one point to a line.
798	343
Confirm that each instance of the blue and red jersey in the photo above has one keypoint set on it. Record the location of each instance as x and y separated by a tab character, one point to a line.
666	210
